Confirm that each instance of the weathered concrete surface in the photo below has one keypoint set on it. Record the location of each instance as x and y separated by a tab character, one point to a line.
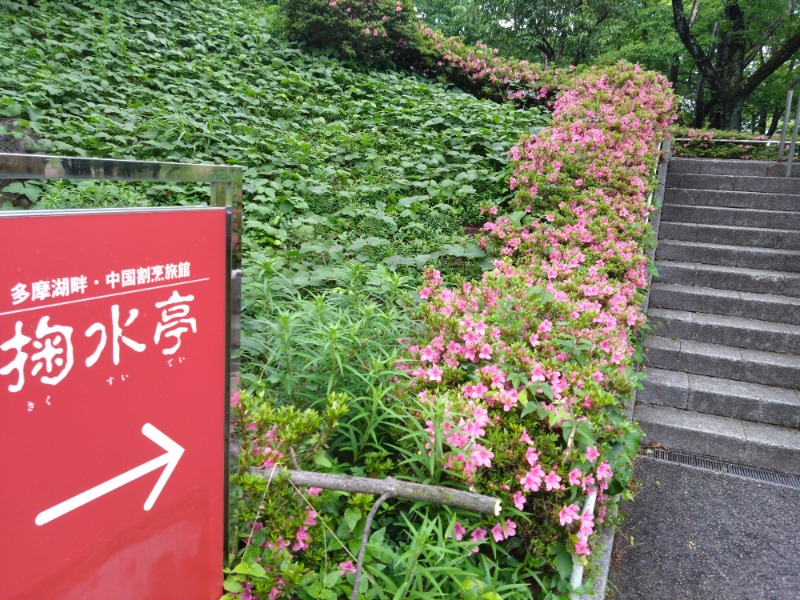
696	535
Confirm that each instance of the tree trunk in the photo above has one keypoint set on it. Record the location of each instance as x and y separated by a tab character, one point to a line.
699	102
776	118
732	112
674	68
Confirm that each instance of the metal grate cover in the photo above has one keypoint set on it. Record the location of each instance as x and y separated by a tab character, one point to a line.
716	465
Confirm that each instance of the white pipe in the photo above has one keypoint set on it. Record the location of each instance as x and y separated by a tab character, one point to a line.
576	579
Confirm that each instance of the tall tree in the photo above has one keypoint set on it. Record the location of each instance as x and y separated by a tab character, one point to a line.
751	41
560	32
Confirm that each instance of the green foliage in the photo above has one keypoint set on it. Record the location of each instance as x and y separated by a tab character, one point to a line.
703	143
353	181
561	33
339	164
378	32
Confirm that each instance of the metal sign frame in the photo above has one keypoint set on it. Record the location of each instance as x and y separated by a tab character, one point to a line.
225	190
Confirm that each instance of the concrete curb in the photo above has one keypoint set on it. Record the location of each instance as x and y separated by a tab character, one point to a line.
605	544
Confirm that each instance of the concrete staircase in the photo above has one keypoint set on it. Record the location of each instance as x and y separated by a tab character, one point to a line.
723	363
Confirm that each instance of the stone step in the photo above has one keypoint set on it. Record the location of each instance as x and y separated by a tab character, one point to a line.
780	239
755	444
759	281
740	217
765	307
732	199
730	256
727	362
722	166
728	331
739	183
723	397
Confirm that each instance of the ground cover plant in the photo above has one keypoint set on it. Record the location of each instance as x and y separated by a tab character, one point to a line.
509	382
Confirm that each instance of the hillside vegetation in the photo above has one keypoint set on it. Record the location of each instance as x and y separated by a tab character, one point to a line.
378	338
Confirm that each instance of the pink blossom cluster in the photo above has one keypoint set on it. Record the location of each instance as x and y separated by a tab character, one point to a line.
361	13
515	79
541	346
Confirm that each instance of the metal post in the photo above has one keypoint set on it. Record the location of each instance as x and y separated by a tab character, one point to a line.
793	145
786	115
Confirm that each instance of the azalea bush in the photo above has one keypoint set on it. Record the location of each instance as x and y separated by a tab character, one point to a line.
388	32
480	71
705	143
533	363
377	32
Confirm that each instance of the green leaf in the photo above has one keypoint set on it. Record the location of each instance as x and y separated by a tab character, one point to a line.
522	397
231	585
332	578
563	561
253	569
321	460
352	516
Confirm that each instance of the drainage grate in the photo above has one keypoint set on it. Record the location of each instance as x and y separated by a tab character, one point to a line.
707	463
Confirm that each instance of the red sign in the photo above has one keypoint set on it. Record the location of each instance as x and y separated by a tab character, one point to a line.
112	404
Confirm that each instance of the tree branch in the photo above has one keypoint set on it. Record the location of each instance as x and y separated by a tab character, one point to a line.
393	487
691	44
364	539
695	10
780	56
750	56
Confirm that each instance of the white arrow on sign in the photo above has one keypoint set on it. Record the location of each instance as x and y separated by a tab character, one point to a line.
169	459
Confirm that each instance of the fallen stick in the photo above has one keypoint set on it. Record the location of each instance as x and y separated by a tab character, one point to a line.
391	488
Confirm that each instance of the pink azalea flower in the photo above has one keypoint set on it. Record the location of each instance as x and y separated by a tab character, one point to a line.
429	354
532	456
478	535
511	528
519	500
347	567
532	480
311	519
314	491
592	453
434	373
552	481
481	457
575	476
582	547
538	374
459	531
525	438
301	539
568	514
587	524
604	471
498	533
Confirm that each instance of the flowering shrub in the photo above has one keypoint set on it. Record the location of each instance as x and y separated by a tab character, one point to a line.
374	31
703	143
383	32
480	71
533	361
